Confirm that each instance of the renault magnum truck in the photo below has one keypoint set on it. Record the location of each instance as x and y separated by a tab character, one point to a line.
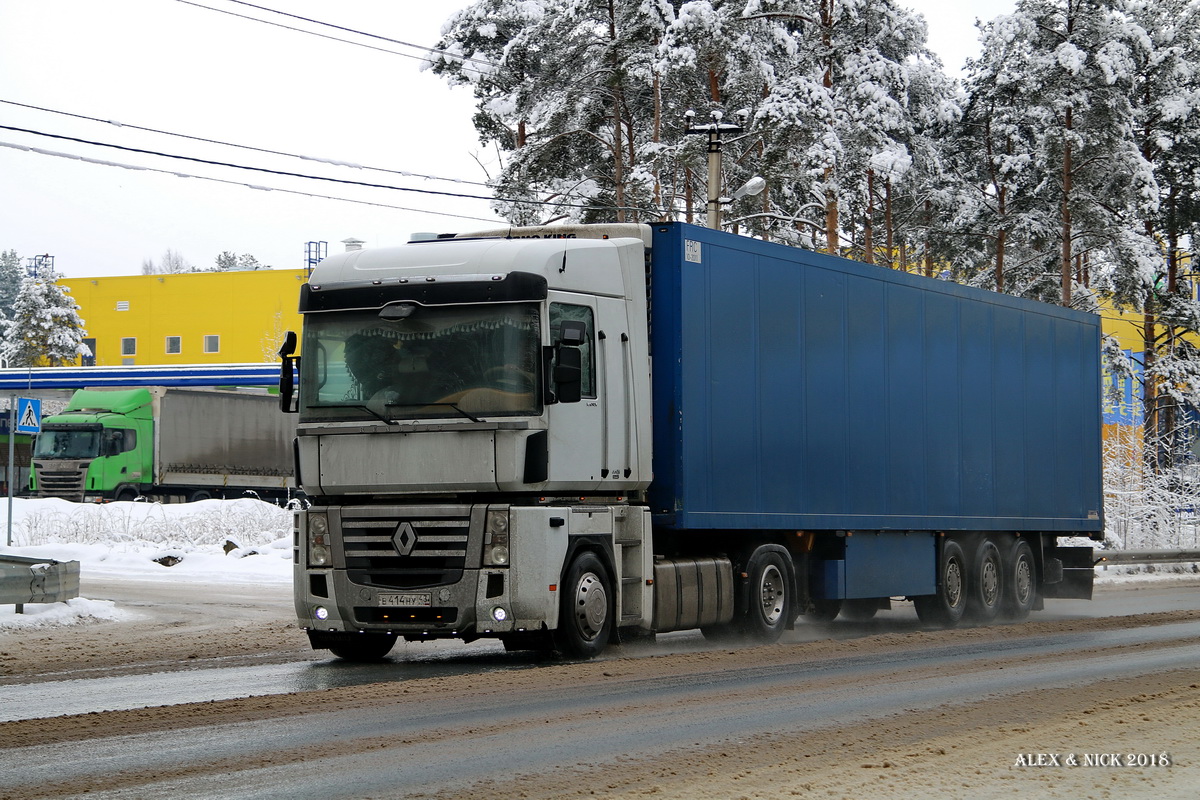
561	437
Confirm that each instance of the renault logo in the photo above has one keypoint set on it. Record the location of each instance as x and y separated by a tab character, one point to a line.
405	538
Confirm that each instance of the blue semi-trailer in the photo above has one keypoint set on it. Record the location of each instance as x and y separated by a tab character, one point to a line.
563	436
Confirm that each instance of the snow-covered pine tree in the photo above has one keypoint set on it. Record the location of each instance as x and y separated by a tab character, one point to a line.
556	95
852	100
1096	185
1166	102
1000	227
45	330
11	275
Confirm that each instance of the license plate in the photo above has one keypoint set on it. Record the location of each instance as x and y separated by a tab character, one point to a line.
419	600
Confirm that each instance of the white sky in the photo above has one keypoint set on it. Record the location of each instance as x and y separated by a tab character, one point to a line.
172	66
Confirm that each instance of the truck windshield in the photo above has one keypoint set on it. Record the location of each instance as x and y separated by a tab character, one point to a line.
439	361
67	444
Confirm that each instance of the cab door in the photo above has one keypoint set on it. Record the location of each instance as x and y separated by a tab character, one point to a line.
576	437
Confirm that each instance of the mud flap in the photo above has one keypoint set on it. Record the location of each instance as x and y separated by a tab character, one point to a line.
1068	573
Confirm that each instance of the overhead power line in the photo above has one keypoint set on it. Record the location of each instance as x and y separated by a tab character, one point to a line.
428	50
401	173
137	168
230	165
288	174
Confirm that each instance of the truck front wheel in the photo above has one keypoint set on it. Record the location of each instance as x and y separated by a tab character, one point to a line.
585	617
769	594
945	609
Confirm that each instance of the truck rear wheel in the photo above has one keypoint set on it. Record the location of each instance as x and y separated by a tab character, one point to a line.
1020	585
769	594
585	617
985	584
945	609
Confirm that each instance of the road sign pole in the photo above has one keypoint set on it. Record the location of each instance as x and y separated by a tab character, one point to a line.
12	439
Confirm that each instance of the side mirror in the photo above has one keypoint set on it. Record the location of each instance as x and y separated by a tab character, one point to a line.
287	384
568	374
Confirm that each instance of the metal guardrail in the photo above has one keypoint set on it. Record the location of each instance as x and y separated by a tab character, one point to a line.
37	580
1105	557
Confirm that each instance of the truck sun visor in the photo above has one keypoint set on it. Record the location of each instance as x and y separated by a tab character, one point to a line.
513	287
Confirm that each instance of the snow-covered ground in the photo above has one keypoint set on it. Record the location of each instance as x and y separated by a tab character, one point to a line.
211	541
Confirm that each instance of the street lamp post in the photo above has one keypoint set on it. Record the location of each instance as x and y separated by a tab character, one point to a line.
713	131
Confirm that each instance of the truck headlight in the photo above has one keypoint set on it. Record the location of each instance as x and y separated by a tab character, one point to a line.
495	539
318	540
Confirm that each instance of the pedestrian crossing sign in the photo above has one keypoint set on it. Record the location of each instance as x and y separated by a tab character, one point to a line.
29	415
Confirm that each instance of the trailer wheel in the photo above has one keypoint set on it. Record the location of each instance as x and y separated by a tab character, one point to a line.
945	609
1020	585
585	617
363	646
985	588
769	597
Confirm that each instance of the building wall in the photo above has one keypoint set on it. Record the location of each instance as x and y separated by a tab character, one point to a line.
248	312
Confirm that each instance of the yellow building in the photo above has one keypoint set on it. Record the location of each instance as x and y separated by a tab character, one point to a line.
189	317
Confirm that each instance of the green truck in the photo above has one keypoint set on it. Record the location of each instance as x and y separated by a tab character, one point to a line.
167	444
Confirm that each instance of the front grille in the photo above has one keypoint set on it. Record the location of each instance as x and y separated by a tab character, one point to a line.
64	483
404	552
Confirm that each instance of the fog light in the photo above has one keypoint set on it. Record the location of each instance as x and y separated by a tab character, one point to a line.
499	555
321	612
499	614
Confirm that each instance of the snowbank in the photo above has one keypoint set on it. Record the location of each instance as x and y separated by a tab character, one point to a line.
211	541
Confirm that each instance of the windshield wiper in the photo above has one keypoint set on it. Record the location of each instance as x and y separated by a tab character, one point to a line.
366	408
466	414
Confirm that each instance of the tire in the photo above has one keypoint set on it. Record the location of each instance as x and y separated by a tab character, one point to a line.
823	611
769	593
985	585
200	494
945	609
859	610
585	618
363	647
1020	584
126	494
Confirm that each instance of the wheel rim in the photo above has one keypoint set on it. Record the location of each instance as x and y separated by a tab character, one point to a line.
989	582
771	593
954	583
1023	580
591	605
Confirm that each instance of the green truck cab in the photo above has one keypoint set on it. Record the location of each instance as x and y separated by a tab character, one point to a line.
98	448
